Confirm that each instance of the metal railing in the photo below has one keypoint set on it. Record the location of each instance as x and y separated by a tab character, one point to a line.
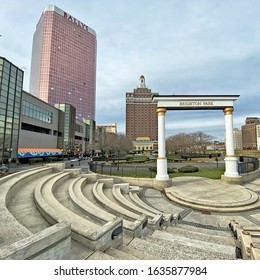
122	170
247	164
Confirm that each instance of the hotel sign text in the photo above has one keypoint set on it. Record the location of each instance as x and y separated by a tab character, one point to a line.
75	21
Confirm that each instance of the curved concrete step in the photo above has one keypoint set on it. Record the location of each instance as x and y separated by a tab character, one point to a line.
155	221
159	201
252	204
168	218
22	206
212	195
90	234
117	209
61	193
11	230
95	211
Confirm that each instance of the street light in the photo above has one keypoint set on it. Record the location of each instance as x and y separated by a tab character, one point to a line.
9	150
118	160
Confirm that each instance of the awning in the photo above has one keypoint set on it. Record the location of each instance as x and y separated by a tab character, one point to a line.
38	152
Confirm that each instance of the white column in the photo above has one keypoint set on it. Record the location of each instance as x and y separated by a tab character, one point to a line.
231	161
161	160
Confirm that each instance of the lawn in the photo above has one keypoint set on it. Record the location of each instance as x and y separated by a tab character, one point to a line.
211	173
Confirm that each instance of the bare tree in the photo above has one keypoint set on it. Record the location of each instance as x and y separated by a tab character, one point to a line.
114	143
195	142
202	140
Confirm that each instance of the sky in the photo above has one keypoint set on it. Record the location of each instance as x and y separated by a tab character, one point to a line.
180	46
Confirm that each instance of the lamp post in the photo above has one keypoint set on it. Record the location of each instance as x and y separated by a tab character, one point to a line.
118	160
9	150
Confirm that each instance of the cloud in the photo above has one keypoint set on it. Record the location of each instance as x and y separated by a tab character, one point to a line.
182	47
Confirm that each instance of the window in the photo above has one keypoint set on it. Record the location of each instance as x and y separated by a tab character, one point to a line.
33	111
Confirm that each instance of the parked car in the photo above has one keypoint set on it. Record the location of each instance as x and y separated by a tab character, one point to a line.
75	160
3	169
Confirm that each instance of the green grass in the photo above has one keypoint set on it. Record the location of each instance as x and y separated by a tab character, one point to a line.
211	173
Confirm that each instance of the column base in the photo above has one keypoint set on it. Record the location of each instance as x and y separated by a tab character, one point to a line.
231	180
162	173
162	184
231	166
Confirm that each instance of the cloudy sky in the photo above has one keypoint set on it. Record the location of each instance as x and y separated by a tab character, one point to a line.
180	46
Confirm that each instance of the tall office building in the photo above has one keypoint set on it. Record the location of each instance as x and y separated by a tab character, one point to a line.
63	66
11	84
141	117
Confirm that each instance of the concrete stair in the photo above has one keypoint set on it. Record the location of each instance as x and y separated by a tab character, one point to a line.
212	236
180	241
171	246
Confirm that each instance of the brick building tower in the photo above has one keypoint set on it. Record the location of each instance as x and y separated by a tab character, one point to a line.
141	117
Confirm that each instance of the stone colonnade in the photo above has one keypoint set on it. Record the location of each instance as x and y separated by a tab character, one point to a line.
231	161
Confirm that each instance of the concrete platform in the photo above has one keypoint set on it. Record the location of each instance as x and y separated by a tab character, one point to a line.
211	195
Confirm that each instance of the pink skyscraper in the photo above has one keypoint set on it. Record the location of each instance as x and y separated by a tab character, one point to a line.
63	66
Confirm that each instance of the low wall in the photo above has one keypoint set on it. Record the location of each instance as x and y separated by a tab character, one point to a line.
143	182
52	243
247	177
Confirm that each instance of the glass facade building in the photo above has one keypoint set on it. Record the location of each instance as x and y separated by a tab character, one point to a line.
63	66
11	83
67	124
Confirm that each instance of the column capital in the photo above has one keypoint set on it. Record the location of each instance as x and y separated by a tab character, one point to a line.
161	111
228	111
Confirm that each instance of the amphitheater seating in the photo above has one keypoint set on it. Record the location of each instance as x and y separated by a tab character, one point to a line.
169	219
115	208
94	236
155	221
87	216
133	228
11	230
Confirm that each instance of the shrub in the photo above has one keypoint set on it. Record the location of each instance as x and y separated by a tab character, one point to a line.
188	169
172	170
